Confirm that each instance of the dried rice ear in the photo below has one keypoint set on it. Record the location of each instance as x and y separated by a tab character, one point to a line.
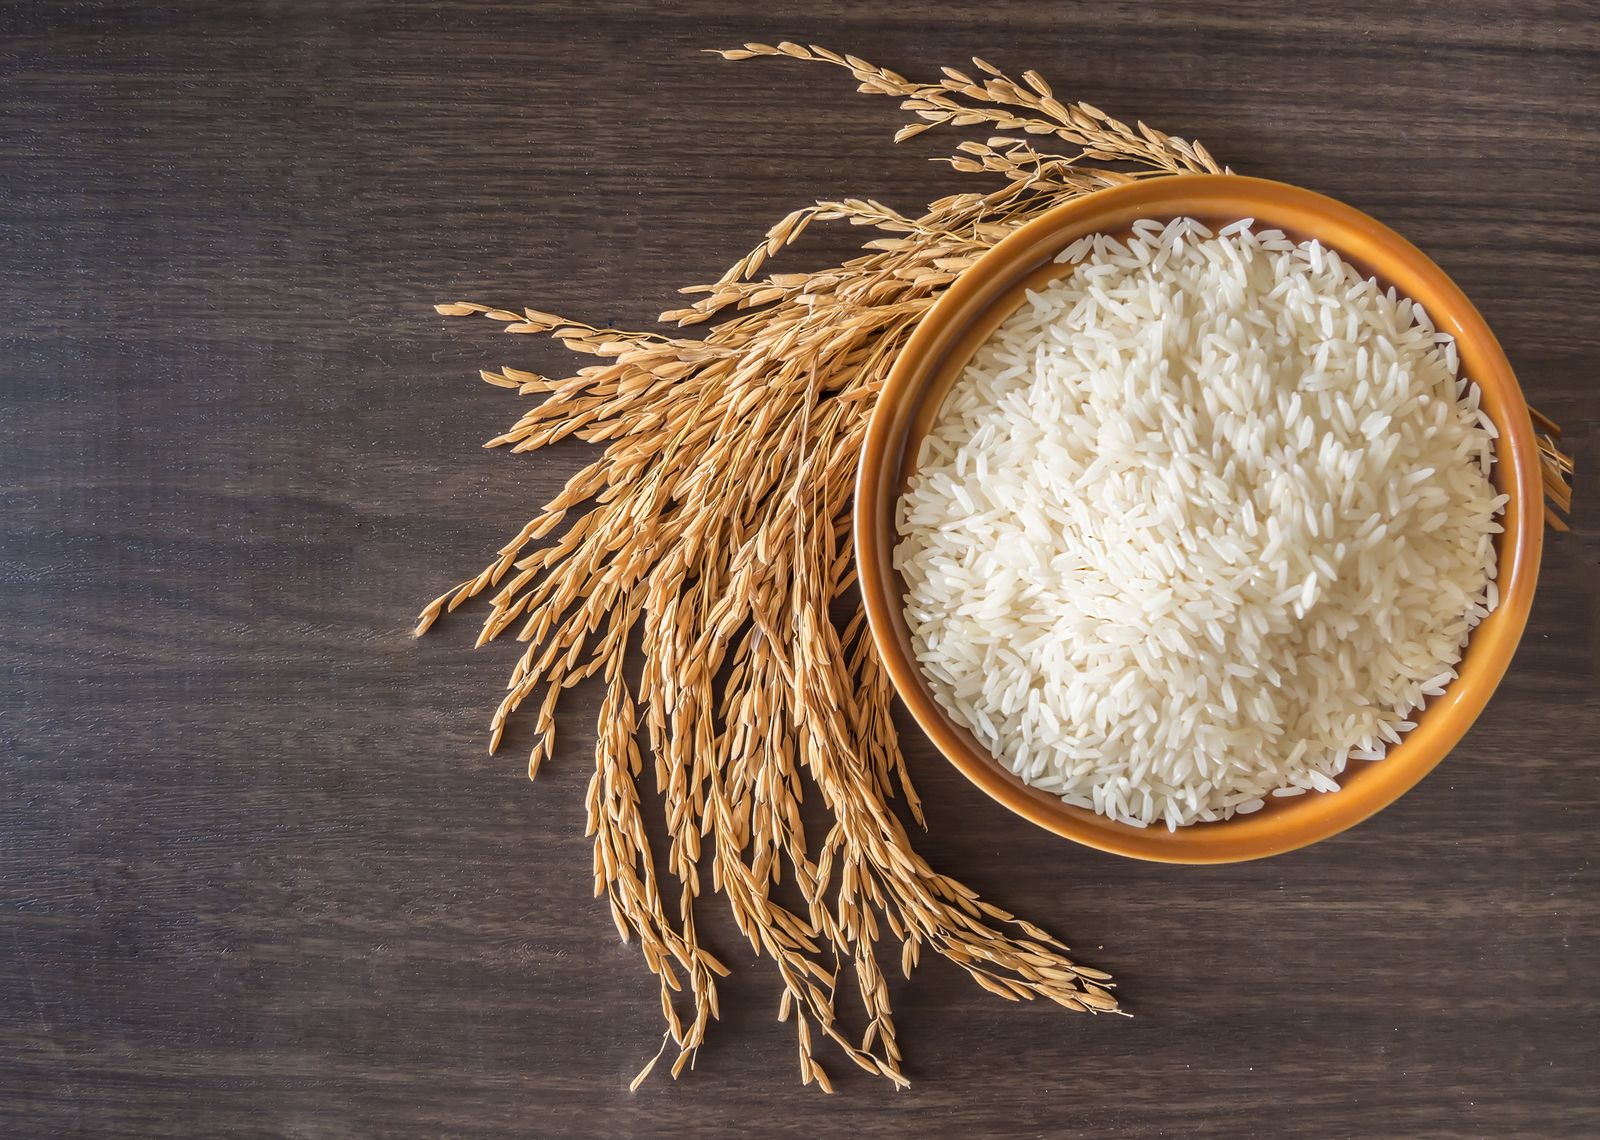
1555	469
713	531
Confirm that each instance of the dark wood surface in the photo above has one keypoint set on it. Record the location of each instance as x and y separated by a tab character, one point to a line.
257	875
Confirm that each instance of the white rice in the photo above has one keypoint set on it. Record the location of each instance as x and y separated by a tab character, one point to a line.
1204	520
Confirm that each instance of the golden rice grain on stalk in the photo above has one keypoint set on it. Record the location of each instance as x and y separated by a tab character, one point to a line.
715	531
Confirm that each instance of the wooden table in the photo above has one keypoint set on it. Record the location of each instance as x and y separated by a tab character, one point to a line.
257	875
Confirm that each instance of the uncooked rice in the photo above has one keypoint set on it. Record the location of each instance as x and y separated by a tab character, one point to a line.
1206	519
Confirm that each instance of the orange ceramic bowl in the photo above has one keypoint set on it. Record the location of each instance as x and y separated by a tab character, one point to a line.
991	290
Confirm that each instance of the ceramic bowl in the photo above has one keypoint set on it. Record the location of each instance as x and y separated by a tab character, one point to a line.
969	312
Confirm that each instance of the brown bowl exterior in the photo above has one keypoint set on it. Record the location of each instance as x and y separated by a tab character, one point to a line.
970	311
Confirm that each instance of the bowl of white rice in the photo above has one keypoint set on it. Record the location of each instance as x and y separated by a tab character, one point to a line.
1199	519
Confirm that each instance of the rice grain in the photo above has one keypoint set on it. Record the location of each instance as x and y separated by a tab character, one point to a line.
1174	544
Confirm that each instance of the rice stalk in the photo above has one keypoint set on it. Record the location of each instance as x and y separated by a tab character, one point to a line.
714	532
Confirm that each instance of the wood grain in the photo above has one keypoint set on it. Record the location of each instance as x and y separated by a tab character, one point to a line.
257	876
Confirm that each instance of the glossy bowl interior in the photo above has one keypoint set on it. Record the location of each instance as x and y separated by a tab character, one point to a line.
991	290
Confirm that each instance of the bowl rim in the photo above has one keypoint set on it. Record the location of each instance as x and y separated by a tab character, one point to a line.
983	287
